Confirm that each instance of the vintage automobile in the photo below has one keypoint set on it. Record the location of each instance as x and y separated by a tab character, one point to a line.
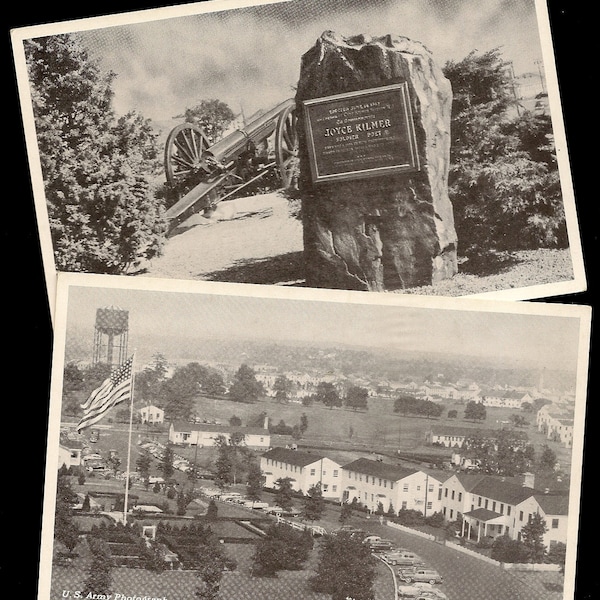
418	574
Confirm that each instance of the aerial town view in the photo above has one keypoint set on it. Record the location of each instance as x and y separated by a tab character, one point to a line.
287	458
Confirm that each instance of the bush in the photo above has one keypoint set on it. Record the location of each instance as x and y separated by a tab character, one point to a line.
409	516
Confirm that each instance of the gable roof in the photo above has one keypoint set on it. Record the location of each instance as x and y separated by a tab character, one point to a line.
553	504
503	491
379	469
292	457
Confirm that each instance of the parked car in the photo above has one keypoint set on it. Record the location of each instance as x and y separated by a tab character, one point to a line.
381	545
415	591
419	574
402	557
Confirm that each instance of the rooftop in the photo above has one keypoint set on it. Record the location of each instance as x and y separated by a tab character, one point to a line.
292	457
379	469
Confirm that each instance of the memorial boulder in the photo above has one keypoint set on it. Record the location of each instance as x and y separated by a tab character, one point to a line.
374	147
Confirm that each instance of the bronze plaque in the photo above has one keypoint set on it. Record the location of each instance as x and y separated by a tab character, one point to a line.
361	134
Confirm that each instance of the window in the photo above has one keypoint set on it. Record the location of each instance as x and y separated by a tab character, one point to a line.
479	501
554	523
451	514
334	488
429	505
508	511
391	485
324	473
460	496
445	492
404	505
379	482
452	494
486	503
385	483
335	472
494	506
431	487
520	515
405	487
312	472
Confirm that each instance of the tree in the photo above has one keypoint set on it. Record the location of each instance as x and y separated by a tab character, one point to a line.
345	513
66	530
99	579
166	462
313	504
547	460
212	511
235	421
327	394
245	386
148	383
532	535
281	548
211	562
97	170
254	481
212	115
303	424
452	414
346	569
282	388
357	398
143	463
475	411
505	549
504	182
284	493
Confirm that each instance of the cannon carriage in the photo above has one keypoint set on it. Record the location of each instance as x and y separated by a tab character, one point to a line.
201	175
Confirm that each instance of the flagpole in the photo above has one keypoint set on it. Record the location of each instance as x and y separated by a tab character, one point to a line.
125	503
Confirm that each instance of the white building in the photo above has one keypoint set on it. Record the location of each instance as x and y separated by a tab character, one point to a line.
373	482
152	414
305	470
206	434
504	398
556	423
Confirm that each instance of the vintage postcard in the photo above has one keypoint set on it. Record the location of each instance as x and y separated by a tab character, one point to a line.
217	440
407	147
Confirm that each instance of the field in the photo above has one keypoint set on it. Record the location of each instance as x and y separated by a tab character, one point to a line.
341	434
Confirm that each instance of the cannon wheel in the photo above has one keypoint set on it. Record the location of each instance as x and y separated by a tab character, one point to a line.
286	147
183	152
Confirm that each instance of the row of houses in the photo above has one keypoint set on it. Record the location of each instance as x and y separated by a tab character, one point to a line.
487	506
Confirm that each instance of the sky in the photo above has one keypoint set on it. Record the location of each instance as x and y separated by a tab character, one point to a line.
249	57
542	340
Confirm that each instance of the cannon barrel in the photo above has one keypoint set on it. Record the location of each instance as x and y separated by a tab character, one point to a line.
232	145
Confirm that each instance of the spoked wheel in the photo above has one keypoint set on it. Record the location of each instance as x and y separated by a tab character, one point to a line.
286	148
185	146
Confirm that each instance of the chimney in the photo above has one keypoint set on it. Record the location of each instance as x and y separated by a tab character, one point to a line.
529	480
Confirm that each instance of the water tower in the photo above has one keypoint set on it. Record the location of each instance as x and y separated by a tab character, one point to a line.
111	336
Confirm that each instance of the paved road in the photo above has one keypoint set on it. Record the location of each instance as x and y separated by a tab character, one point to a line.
468	578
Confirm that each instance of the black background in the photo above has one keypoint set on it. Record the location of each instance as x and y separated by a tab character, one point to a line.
26	325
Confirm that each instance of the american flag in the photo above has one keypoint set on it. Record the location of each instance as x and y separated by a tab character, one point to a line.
113	390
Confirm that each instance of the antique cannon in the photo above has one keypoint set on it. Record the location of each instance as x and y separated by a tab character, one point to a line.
201	175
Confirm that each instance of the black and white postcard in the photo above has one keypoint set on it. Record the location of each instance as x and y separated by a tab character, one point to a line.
406	147
229	441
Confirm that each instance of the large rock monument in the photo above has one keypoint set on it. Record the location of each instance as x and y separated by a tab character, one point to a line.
374	145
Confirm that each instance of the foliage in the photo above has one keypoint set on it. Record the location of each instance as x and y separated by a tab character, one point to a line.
254	481
212	511
65	528
99	579
532	535
557	554
327	394
345	513
282	548
346	569
504	183
505	549
407	404
357	398
410	516
232	461
211	562
547	460
284	493
313	504
143	464
282	388
475	411
166	462
213	116
98	170
235	421
245	386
